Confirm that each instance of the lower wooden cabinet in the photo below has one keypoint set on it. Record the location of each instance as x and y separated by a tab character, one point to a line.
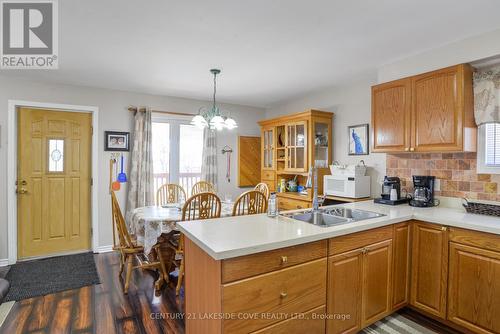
285	203
474	281
401	265
359	287
429	268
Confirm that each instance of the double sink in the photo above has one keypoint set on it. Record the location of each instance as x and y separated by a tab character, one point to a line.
326	217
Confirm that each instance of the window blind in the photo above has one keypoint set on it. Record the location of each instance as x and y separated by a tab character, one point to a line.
492	141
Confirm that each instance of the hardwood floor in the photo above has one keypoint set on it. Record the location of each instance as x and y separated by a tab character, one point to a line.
101	308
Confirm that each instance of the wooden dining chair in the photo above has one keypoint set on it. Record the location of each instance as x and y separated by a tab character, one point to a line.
250	203
129	250
204	205
202	187
263	188
170	193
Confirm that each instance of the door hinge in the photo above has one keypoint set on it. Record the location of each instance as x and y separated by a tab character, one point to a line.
91	181
91	231
91	130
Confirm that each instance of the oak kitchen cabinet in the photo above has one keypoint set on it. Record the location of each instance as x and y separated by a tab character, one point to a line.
430	112
401	265
429	268
291	144
474	281
359	279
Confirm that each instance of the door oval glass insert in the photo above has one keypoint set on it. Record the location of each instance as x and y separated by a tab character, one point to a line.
56	155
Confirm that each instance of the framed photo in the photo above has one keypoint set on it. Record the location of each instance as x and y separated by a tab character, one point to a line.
358	139
116	141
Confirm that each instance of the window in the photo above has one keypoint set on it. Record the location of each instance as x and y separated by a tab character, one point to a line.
177	152
488	155
56	155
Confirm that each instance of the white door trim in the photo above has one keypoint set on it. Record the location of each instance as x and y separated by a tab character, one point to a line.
12	168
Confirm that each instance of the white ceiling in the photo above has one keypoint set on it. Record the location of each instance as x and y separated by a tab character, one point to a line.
269	51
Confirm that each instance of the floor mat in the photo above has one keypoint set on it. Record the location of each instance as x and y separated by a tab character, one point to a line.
41	277
397	324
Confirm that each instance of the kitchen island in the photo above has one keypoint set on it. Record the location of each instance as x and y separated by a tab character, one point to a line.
272	275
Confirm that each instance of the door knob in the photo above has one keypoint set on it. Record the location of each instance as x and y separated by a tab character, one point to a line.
22	182
21	191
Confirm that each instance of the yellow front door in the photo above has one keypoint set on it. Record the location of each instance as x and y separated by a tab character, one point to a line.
53	183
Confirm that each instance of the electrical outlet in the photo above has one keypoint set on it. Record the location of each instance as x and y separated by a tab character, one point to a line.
437	184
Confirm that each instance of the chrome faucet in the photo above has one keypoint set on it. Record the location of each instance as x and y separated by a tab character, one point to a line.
312	177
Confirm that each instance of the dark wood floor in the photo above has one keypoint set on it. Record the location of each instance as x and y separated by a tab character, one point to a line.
101	308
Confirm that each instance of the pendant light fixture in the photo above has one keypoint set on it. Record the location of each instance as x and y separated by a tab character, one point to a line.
212	117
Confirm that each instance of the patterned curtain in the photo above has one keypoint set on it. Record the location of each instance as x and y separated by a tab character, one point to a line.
140	189
209	158
487	95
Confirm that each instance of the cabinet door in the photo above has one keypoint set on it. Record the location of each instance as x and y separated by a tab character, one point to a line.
429	268
391	112
401	269
344	292
438	110
296	147
474	294
268	148
377	272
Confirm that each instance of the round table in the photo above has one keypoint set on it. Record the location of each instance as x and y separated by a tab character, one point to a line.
148	223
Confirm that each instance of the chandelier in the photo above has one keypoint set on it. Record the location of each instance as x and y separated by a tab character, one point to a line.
212	117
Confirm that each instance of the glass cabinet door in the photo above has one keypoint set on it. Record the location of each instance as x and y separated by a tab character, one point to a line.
296	142
321	145
268	148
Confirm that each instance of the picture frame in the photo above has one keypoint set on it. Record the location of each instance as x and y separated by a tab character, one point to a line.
116	141
358	139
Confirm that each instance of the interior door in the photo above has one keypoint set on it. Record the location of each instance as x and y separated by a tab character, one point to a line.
54	179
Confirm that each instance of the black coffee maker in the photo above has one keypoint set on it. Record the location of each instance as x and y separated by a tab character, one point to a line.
423	193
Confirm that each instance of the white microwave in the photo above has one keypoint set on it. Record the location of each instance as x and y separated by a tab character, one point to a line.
347	186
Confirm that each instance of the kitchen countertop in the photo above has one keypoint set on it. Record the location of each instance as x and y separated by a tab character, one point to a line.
230	237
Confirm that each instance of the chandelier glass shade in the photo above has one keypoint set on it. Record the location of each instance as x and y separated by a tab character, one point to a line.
212	117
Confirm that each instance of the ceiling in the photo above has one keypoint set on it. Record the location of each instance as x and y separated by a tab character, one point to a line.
269	51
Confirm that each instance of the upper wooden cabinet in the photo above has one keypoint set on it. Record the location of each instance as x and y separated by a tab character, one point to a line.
391	114
425	113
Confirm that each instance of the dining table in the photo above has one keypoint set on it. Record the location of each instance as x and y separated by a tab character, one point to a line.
149	223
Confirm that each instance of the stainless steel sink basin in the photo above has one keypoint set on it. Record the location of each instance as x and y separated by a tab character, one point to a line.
332	216
354	215
319	218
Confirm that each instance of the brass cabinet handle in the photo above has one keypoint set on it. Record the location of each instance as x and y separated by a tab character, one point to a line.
407	149
284	259
364	250
412	149
444	228
283	294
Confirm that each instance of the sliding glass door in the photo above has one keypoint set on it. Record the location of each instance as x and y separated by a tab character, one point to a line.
177	152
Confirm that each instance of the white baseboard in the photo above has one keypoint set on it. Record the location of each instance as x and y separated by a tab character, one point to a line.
4	262
104	249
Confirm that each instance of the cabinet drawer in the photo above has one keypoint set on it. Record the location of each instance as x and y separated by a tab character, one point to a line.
270	296
476	239
260	263
292	204
357	240
268	175
311	323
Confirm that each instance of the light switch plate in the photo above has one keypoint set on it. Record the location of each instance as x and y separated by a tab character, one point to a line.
437	185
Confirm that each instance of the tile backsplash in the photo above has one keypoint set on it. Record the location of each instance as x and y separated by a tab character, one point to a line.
456	172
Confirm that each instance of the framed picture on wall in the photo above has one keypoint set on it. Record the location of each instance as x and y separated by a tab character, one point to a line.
116	141
358	139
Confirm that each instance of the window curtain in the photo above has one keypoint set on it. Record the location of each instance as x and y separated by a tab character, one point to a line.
209	158
487	95
140	189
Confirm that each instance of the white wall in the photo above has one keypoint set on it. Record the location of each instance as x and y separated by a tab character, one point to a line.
351	105
464	51
113	115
